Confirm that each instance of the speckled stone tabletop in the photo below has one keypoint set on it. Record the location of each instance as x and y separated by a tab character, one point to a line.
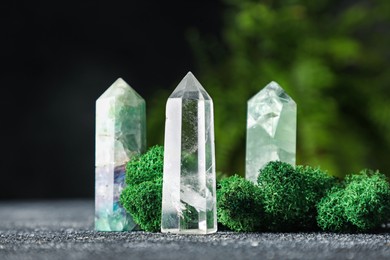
64	230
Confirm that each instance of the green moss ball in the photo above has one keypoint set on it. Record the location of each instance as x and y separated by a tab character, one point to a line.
360	205
240	207
143	202
145	167
290	195
331	214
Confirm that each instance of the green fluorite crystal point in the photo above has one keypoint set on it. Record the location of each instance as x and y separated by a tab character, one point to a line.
120	134
271	129
189	189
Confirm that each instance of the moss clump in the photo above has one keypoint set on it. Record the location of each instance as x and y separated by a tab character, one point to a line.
145	167
361	203
317	183
290	195
143	202
285	199
331	214
239	204
142	196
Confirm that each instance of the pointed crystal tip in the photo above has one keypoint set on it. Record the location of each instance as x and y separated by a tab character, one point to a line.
274	86
119	83
273	89
190	88
120	88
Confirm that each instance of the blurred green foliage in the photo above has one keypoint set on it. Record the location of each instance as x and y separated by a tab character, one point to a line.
332	57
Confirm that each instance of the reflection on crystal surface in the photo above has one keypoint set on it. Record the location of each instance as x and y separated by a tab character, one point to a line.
271	129
120	134
189	198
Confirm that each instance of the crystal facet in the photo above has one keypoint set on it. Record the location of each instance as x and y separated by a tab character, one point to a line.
120	134
271	129
189	189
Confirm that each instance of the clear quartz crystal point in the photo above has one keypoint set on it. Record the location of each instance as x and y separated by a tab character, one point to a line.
189	189
120	134
271	129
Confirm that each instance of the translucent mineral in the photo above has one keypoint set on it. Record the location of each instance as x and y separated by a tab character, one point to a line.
271	129
189	189
120	134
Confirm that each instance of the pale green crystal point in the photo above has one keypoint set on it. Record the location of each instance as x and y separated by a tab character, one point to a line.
271	129
120	134
189	189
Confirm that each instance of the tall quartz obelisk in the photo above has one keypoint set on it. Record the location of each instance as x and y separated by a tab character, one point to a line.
120	134
189	189
271	129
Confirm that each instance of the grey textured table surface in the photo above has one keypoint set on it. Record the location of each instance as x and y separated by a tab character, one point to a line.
64	230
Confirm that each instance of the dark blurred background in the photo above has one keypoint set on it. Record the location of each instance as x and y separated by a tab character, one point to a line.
58	57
